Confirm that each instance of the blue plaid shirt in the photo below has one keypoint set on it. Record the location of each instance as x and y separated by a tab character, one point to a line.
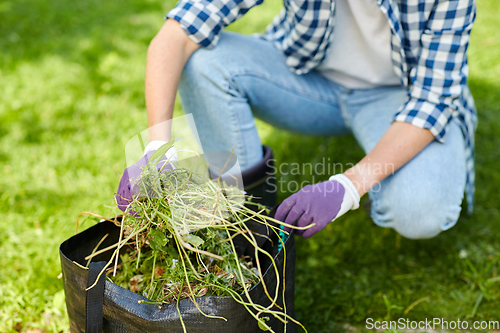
429	52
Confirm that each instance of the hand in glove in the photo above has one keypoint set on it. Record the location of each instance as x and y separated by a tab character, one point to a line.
319	204
128	183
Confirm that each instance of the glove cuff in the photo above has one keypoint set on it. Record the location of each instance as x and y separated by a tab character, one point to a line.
171	154
351	195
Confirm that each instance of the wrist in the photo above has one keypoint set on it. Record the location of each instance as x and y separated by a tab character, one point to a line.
159	126
362	181
351	197
356	181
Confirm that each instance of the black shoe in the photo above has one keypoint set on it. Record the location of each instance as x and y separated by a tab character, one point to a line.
259	181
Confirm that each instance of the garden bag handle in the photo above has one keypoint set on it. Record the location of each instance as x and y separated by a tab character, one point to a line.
94	312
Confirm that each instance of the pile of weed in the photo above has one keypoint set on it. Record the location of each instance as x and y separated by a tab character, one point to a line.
177	240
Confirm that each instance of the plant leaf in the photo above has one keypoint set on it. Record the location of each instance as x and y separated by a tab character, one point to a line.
157	240
193	240
160	152
262	323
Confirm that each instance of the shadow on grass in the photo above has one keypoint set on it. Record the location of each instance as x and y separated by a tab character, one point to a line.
80	31
83	33
63	49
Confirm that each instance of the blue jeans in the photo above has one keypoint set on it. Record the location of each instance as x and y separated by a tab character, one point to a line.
246	77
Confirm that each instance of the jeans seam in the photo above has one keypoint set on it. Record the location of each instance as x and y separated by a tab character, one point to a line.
239	140
295	91
343	110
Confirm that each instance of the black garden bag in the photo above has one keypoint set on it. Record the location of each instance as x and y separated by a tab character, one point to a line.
110	308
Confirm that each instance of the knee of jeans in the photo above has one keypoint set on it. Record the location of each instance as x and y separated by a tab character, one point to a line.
417	216
424	217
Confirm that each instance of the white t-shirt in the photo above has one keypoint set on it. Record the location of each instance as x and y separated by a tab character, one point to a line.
359	55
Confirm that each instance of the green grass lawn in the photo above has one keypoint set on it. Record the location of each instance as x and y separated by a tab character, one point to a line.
71	85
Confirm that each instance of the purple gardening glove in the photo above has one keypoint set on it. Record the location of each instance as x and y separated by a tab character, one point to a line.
319	204
128	183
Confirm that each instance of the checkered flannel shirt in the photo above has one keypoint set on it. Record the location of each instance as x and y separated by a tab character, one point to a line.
429	43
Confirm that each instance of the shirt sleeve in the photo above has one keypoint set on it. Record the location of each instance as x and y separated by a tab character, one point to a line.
203	20
440	76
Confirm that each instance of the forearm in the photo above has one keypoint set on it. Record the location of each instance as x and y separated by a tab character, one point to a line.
398	146
167	55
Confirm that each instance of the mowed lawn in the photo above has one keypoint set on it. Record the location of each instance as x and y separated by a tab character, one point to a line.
71	95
